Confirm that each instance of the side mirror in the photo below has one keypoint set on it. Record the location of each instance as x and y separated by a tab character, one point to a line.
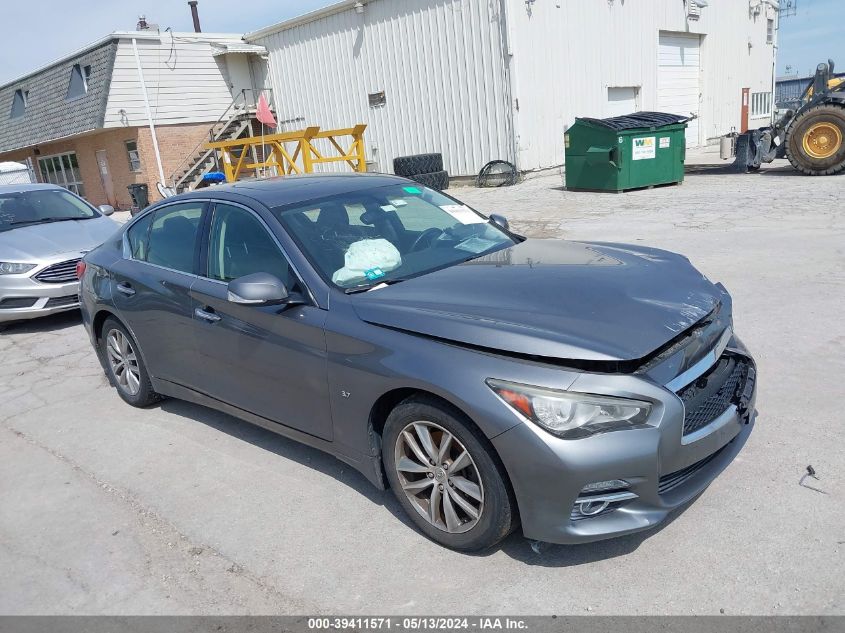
258	289
500	221
106	209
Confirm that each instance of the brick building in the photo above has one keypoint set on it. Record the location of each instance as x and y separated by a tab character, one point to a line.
82	121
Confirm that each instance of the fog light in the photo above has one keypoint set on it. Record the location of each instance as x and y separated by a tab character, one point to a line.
611	484
592	508
593	505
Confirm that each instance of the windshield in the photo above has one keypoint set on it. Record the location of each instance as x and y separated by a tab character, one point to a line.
40	206
363	238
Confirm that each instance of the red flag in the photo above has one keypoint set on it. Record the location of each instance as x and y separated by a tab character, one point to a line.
262	112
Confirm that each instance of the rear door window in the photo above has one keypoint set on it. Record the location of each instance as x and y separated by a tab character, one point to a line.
138	237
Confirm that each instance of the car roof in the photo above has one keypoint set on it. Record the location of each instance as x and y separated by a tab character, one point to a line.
27	187
284	190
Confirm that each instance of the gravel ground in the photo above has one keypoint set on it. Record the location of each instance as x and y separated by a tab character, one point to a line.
178	509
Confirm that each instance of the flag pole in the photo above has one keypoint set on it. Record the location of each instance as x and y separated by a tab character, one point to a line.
265	117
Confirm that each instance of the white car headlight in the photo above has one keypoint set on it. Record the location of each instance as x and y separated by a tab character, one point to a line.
14	268
569	414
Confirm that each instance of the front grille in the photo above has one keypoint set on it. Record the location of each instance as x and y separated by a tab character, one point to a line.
679	477
707	397
17	302
59	302
59	273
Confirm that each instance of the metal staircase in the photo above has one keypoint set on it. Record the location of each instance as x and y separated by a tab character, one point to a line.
236	122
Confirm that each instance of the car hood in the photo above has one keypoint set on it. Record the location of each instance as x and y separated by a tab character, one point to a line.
552	298
38	241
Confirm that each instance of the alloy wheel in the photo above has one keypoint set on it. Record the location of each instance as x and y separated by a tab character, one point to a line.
439	477
123	362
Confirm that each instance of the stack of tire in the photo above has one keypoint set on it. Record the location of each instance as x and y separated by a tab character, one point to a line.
426	169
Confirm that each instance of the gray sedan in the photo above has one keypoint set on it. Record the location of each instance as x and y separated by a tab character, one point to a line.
578	390
44	231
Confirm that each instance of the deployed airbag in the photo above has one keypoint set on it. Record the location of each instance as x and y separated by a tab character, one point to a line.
367	259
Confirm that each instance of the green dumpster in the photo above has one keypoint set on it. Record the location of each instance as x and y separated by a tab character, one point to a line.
627	152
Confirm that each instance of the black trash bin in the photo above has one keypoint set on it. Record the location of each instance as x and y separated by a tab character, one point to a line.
140	197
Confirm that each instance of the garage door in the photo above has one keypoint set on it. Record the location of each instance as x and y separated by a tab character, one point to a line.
678	64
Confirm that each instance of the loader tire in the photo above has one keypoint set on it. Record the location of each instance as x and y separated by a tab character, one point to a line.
438	180
408	166
815	144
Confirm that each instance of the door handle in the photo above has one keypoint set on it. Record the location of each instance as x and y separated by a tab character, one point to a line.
125	288
210	317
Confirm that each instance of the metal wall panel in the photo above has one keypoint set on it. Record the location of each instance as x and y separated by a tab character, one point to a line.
439	63
567	53
476	79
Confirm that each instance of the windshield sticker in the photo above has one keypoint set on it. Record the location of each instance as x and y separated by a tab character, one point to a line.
411	189
398	203
388	207
476	245
374	273
463	214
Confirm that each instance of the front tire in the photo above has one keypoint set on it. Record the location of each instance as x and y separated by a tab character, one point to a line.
125	366
446	476
816	141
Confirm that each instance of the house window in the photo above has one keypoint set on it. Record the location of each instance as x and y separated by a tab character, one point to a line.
62	170
134	157
761	104
770	31
78	86
19	102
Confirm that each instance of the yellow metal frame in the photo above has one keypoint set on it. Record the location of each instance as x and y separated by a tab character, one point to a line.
290	152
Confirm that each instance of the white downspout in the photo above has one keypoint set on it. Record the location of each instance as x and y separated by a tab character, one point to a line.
512	83
149	112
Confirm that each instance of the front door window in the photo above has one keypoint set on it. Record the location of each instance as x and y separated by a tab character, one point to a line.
240	245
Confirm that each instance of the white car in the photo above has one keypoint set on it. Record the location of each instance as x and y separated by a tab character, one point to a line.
44	231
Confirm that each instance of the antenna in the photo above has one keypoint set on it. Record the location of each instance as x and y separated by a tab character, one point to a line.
787	8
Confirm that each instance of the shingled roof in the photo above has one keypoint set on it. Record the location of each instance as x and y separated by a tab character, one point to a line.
49	114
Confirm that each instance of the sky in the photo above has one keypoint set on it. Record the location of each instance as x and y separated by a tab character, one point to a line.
36	32
812	36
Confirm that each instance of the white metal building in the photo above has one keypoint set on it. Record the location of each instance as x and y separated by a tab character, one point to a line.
503	79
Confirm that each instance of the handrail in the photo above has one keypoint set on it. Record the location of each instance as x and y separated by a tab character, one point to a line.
192	153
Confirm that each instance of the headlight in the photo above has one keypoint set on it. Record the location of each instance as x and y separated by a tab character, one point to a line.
14	268
568	414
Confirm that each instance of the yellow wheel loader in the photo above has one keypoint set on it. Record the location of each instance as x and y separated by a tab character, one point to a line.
811	137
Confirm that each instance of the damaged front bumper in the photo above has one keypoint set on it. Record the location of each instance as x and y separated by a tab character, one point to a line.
620	482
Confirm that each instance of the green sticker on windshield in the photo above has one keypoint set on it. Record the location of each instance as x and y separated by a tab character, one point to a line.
412	190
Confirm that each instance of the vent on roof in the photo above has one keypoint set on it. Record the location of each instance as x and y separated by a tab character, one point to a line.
19	103
694	8
78	85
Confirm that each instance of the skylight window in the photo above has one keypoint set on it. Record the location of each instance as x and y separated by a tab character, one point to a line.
19	103
78	86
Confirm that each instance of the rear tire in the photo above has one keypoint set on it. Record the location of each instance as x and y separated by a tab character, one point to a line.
125	365
816	141
459	496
